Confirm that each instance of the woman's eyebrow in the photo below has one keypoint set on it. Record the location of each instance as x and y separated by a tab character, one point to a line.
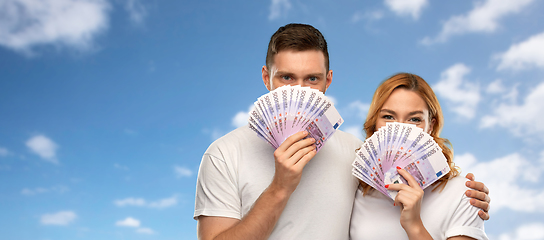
415	112
388	111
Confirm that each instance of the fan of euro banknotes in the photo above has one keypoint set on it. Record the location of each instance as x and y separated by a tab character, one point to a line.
290	109
402	145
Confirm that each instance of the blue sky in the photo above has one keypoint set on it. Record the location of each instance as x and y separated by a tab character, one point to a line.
106	106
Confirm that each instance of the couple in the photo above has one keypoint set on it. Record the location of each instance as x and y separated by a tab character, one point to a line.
246	189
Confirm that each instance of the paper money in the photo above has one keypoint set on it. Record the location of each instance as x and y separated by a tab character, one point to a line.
402	145
290	109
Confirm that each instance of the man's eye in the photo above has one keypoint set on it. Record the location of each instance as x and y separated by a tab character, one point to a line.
287	78
312	79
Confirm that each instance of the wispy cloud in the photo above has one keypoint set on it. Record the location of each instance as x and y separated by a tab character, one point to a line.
524	55
134	223
136	10
61	218
140	202
145	231
182	172
25	24
214	134
459	93
369	16
484	17
128	222
279	8
39	190
4	152
121	167
43	147
507	177
519	119
411	8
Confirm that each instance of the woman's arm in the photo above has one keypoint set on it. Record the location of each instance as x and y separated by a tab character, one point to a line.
409	198
461	238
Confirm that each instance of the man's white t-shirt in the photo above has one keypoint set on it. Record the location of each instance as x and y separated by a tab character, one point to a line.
445	213
238	167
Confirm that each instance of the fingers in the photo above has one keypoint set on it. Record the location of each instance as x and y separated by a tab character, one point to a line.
478	196
470	176
483	215
479	186
411	180
295	138
479	204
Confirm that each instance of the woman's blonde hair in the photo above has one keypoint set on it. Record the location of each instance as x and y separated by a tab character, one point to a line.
414	83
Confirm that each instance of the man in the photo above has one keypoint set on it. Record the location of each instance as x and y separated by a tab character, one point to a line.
246	189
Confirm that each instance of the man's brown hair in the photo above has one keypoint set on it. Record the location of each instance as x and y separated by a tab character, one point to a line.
298	37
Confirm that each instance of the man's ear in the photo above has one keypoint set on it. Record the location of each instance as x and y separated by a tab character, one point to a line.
329	80
266	77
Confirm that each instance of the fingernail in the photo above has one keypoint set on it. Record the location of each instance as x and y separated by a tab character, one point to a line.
394	205
468	193
305	133
398	167
468	184
386	185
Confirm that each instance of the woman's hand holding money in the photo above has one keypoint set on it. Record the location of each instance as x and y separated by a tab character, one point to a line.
291	157
409	199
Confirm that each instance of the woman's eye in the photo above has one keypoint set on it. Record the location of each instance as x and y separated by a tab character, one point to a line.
417	120
388	117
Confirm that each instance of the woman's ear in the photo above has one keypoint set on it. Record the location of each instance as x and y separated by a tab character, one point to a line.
431	126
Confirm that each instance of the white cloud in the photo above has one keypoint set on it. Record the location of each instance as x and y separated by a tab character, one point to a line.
524	55
128	222
130	202
43	147
506	178
520	119
145	230
459	93
35	191
136	11
59	218
182	172
25	24
140	202
241	118
530	231
4	152
484	17
407	7
278	8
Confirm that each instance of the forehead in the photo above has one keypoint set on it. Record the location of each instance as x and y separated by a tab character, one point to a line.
300	61
403	100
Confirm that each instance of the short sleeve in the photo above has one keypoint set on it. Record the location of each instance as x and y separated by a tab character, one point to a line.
466	222
216	189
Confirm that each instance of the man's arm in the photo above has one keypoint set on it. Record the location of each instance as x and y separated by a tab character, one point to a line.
480	196
291	157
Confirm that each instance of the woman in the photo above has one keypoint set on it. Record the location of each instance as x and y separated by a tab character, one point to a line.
441	211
